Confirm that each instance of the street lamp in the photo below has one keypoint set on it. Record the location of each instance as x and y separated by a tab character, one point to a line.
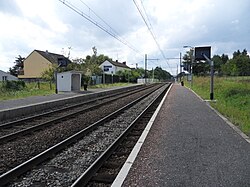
192	61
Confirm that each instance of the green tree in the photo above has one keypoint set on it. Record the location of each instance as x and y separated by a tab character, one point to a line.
187	61
161	74
18	67
49	75
101	58
130	76
239	65
198	68
219	61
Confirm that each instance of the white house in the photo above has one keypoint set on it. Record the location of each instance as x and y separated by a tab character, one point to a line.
69	81
6	76
112	67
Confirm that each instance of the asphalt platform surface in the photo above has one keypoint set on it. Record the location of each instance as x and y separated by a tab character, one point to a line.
32	100
189	145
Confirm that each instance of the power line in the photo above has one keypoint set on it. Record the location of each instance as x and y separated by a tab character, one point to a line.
150	29
114	31
103	28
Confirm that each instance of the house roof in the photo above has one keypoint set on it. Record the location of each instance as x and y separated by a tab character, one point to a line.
7	74
123	65
52	57
71	72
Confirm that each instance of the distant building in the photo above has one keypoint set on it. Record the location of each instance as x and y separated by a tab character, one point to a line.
6	76
38	61
112	67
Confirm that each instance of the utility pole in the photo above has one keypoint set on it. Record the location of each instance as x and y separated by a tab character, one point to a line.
146	59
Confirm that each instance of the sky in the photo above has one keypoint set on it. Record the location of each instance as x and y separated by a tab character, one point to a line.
50	25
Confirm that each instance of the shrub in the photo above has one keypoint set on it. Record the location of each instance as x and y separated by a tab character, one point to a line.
14	85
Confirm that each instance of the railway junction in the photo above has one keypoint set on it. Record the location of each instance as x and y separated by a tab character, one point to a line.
144	135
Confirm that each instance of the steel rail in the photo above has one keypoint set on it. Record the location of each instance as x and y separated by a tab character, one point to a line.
49	153
17	122
40	126
88	174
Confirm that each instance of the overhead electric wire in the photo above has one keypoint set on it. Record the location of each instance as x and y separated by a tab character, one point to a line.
114	31
103	28
150	29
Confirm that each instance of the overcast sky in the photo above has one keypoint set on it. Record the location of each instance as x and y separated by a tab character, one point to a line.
50	25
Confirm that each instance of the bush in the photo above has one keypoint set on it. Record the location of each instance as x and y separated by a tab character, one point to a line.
14	85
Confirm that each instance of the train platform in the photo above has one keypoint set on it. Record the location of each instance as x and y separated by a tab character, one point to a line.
10	109
34	100
188	145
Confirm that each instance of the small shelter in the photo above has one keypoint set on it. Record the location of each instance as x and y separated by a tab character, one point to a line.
69	81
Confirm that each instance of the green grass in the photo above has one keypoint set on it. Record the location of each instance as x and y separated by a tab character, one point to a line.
232	95
30	90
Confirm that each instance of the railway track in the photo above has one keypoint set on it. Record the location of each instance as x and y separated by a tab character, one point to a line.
17	128
104	171
23	148
76	154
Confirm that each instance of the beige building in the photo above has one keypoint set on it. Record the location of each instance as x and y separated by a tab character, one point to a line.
38	61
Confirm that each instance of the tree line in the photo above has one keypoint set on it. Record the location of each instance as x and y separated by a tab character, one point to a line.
238	65
89	66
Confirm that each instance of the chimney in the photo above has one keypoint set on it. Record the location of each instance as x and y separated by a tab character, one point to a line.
116	60
47	52
124	63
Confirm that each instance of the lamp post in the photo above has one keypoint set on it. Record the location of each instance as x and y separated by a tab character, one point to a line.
212	77
192	61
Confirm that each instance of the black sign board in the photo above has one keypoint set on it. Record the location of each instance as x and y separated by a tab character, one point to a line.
200	51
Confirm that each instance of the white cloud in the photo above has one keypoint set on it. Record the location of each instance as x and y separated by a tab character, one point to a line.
46	24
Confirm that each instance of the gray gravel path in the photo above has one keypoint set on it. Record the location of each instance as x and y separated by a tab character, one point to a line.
189	145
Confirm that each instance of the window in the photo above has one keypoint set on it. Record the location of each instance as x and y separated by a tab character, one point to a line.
4	78
106	68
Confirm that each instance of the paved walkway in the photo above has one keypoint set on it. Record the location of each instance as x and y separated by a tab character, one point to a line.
189	145
8	104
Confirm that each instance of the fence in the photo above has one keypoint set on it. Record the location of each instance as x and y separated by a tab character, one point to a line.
105	79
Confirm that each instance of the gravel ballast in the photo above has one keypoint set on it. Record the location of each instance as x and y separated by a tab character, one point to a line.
71	163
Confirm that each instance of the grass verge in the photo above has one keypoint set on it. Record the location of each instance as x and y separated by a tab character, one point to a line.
31	89
232	95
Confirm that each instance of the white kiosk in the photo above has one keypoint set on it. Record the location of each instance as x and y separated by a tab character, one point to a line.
69	81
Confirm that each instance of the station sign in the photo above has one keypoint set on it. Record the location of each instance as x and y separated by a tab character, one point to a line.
201	51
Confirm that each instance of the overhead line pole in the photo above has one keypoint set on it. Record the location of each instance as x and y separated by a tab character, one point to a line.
146	59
